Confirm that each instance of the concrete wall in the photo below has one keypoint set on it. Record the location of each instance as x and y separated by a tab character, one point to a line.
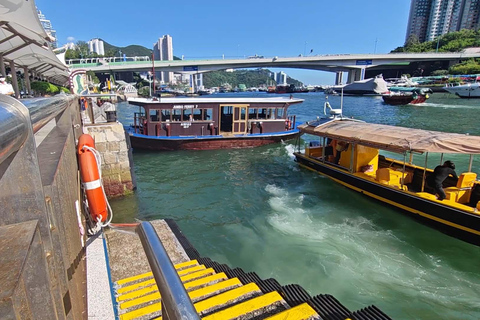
41	184
112	142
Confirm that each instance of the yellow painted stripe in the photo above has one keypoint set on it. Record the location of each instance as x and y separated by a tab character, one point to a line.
138	298
246	307
423	214
141	312
136	286
196	275
191	269
137	293
300	312
217	287
183	265
226	297
138	301
203	281
190	263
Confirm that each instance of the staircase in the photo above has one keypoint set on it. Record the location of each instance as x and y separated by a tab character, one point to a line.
219	292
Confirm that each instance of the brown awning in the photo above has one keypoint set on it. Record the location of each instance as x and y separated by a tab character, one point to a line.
396	139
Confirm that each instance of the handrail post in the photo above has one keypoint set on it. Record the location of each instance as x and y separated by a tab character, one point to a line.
176	304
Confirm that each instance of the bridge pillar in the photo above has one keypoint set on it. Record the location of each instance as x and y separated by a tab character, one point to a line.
356	75
339	77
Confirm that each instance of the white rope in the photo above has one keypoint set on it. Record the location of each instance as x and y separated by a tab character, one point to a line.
98	159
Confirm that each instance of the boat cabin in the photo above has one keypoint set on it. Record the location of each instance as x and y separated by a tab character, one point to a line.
169	117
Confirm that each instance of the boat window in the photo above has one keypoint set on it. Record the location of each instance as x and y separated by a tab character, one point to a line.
227	110
270	113
177	114
262	113
252	113
207	114
197	114
243	112
280	113
154	115
166	115
187	115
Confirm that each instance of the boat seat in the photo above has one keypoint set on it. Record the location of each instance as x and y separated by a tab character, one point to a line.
383	175
461	192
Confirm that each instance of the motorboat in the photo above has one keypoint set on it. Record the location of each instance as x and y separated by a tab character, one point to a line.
406	95
469	90
211	123
368	165
371	86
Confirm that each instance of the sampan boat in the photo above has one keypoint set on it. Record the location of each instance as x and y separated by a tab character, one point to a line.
211	123
399	183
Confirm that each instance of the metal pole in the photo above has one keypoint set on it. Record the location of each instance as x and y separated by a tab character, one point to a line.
176	303
470	163
424	171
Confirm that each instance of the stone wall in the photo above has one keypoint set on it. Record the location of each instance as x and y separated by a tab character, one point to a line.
111	142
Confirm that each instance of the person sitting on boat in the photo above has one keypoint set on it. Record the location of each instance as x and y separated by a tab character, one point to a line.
440	173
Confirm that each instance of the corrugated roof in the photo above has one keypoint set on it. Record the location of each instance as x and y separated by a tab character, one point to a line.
23	40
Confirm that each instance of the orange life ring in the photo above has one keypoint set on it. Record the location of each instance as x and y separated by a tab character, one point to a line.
288	124
91	179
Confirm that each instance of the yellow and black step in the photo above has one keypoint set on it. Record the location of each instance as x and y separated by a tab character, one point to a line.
215	296
219	292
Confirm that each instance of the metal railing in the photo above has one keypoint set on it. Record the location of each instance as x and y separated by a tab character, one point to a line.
176	303
14	123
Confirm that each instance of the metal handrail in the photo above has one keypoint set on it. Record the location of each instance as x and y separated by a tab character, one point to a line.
44	110
176	303
14	124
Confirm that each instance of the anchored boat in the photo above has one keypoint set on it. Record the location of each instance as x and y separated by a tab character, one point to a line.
362	166
211	123
403	95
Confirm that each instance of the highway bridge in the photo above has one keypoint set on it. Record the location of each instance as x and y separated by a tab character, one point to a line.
354	64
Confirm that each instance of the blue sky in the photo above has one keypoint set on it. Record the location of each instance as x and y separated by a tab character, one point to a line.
209	29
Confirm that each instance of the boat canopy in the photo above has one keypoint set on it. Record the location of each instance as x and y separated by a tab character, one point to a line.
395	139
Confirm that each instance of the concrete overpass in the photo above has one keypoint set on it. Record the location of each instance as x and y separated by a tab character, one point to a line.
354	64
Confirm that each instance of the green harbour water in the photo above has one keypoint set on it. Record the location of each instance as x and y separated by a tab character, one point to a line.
258	210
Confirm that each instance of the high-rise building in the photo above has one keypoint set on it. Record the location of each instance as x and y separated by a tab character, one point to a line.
430	19
96	45
47	26
163	50
279	77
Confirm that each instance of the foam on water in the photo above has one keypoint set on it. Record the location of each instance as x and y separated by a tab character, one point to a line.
370	260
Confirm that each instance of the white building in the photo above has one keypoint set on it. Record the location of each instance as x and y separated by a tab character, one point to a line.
47	26
163	50
96	45
279	77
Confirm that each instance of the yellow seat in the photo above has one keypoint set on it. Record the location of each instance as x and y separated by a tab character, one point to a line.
383	175
466	180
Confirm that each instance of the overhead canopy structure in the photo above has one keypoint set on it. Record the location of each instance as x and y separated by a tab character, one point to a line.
24	41
396	139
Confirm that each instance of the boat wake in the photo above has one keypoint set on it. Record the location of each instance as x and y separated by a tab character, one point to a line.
353	252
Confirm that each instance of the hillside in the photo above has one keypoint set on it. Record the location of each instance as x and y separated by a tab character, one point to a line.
250	78
130	51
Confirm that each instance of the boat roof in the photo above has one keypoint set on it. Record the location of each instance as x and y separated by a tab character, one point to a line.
393	138
220	100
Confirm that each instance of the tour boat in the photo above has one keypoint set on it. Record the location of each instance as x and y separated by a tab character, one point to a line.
469	90
364	167
211	123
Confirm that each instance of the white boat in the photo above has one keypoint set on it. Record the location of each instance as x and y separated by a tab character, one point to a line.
469	90
374	86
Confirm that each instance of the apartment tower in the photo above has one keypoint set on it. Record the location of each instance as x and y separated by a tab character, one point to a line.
430	19
163	50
